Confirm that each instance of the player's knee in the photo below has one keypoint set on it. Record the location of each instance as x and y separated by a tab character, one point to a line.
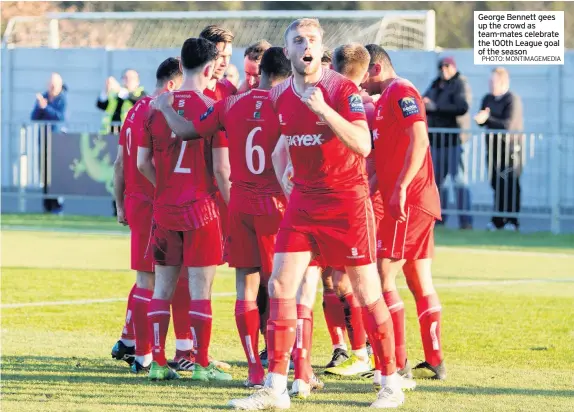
279	287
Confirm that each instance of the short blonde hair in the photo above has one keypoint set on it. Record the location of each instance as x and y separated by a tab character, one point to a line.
304	22
351	60
502	72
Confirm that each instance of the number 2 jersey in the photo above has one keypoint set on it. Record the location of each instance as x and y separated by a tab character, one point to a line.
185	189
252	130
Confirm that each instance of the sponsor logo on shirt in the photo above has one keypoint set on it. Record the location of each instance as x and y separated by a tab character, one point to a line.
258	104
181	112
257	115
375	134
304	140
356	104
409	106
181	103
206	114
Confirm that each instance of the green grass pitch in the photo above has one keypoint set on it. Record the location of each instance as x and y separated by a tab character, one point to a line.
508	326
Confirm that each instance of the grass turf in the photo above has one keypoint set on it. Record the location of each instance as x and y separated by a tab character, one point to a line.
508	331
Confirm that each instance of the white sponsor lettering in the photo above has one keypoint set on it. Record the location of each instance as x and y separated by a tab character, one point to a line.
304	140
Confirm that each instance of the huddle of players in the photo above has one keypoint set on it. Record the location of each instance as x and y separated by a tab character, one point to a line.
301	195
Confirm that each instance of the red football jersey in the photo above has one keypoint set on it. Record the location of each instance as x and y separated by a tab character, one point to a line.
252	131
184	182
223	88
322	164
131	132
399	107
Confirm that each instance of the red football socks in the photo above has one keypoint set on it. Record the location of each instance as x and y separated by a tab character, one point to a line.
354	322
180	311
142	299
247	321
158	323
335	319
303	343
429	311
379	325
281	334
201	318
128	333
397	309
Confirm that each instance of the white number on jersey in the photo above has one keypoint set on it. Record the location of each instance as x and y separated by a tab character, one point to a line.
249	149
178	168
129	140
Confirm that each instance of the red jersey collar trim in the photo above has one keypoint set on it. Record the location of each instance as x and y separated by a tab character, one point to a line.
318	81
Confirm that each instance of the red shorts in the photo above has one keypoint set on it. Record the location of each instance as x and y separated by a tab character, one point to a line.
378	207
139	214
200	247
340	231
251	240
412	239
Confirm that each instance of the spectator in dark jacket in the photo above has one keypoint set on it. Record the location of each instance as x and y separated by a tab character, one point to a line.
447	102
502	110
50	106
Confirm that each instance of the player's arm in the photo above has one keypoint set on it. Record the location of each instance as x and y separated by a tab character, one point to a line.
222	171
120	185
281	162
144	160
145	164
353	133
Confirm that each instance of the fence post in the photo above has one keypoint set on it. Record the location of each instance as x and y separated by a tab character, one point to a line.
555	143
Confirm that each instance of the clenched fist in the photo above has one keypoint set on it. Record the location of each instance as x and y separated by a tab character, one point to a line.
313	98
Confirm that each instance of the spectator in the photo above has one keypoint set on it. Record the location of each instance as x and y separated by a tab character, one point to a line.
232	74
50	107
447	102
501	109
116	101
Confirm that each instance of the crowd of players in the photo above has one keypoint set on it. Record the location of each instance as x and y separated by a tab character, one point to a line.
317	167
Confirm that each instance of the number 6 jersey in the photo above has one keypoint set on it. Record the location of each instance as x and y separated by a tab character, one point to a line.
184	195
252	129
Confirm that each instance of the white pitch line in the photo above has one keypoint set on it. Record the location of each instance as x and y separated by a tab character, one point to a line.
226	294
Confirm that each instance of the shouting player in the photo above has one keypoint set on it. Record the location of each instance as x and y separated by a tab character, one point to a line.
412	205
134	200
186	229
323	122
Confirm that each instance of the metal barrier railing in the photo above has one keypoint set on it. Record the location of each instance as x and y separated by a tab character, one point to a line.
510	175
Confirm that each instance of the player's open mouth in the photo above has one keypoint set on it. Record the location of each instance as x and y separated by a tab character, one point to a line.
307	59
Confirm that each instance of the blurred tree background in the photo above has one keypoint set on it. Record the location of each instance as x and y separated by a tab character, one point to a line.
454	20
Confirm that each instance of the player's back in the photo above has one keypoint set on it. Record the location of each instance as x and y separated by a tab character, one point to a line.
183	178
253	131
399	107
130	134
322	163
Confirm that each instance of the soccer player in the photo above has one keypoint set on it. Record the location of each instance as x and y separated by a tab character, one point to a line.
327	59
218	86
256	209
352	61
134	202
412	205
251	61
186	228
323	123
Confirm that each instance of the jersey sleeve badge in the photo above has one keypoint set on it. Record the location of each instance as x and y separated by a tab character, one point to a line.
206	114
409	106
356	104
